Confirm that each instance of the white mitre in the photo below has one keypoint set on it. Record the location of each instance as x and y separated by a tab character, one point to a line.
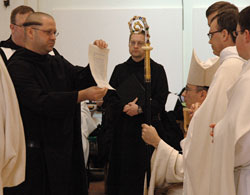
201	73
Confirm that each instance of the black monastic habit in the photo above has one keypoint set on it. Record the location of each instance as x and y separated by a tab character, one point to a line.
127	161
47	90
7	44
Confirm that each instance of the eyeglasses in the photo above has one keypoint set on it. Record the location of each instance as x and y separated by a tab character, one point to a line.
17	25
189	89
236	33
48	32
210	34
139	43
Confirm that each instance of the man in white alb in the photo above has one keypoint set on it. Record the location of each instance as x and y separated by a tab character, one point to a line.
230	171
199	78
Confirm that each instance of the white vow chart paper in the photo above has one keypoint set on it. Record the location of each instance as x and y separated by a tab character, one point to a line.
98	60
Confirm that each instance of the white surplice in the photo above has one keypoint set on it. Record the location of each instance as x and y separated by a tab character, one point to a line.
88	125
166	168
9	52
167	165
197	146
231	147
12	141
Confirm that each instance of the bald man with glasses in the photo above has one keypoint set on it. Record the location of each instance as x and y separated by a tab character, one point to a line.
49	90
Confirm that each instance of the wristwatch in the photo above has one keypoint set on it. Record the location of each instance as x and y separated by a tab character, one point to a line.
139	110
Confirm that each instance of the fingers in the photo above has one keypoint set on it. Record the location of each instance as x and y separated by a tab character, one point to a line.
130	112
99	93
145	128
194	107
150	135
100	43
105	90
125	108
99	102
92	93
131	108
144	125
96	93
135	100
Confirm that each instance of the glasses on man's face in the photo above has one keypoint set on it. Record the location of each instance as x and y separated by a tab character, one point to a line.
138	43
210	34
18	25
48	32
187	89
236	33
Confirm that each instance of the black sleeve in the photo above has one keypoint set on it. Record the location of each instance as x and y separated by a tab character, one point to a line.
112	99
81	76
37	97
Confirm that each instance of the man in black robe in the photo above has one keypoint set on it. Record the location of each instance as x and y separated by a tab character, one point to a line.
49	90
16	40
127	163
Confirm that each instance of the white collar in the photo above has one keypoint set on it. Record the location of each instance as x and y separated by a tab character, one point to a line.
229	52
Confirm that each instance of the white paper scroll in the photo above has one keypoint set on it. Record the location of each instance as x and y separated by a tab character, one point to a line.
98	60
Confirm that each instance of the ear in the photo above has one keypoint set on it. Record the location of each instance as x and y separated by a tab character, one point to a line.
225	35
183	93
203	95
247	33
29	32
12	27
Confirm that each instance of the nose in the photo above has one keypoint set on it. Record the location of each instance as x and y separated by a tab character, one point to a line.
184	93
136	44
53	36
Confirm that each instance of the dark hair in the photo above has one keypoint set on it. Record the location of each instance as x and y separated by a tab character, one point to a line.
19	10
220	5
200	88
227	19
25	24
244	19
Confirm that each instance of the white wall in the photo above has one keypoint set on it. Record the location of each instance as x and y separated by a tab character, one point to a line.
112	26
94	4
